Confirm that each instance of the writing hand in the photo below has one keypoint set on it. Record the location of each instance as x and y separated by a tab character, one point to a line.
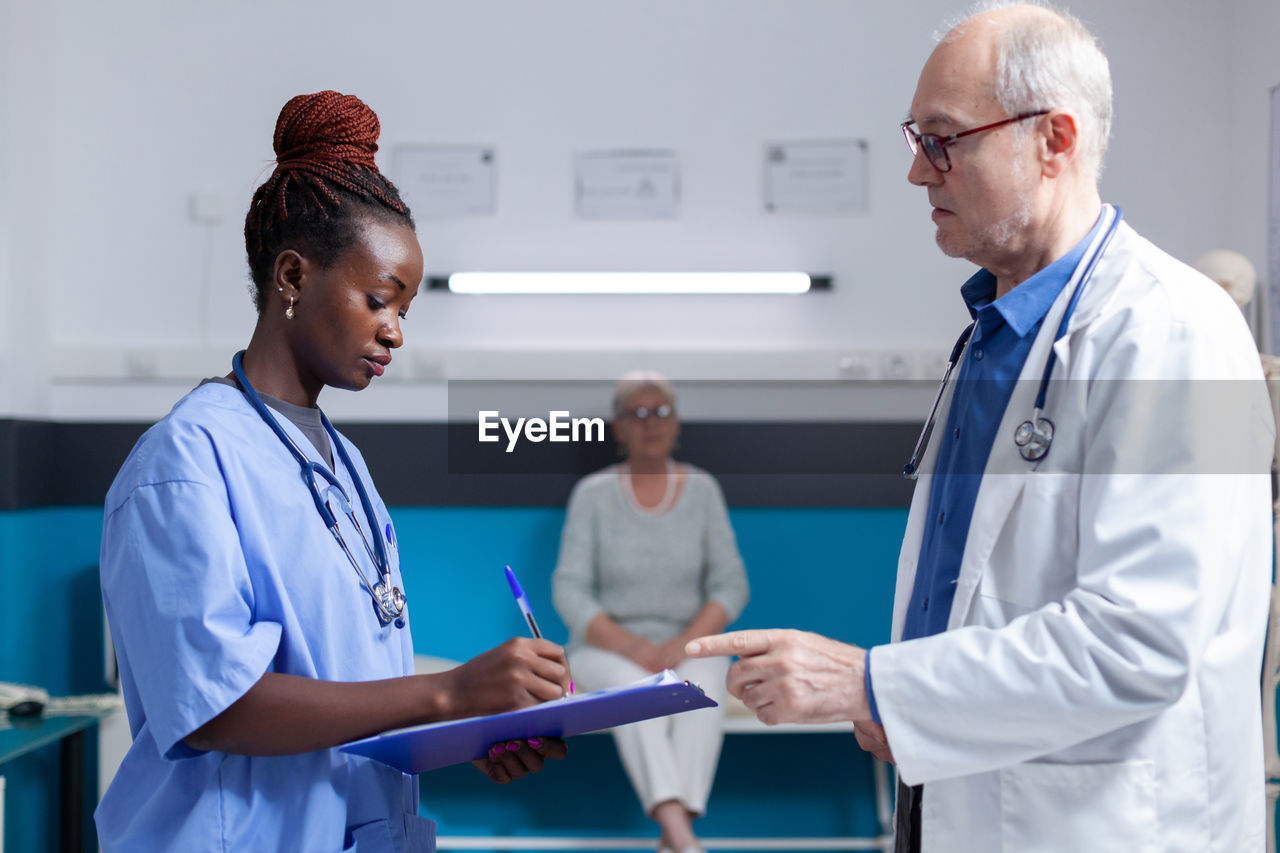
520	672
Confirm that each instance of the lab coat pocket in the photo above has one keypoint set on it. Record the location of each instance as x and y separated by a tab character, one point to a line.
992	612
1032	561
1072	807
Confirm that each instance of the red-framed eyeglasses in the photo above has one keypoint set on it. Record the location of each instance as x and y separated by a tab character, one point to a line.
935	146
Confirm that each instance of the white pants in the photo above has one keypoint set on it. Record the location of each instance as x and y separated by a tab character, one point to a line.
668	758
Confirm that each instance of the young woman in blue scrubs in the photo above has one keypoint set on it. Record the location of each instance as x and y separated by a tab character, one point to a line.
249	646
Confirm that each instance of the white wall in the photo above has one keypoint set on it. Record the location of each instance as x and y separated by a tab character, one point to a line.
37	282
1254	62
125	109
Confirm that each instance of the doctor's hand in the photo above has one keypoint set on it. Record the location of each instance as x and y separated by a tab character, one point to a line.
512	759
790	676
520	672
871	737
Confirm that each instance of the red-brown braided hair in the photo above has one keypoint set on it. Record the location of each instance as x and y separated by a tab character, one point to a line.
324	182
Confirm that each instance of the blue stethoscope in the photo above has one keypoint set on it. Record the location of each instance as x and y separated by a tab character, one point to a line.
1034	436
388	600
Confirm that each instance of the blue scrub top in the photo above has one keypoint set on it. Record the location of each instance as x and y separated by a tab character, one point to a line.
217	568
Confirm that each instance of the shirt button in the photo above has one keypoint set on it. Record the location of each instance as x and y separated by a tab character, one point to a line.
941	516
925	606
977	354
957	432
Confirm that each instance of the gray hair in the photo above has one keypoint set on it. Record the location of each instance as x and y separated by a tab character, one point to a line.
634	382
1052	62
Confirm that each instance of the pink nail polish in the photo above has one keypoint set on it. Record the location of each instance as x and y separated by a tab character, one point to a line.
496	750
535	742
513	747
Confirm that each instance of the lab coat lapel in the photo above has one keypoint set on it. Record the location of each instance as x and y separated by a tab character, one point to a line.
909	556
1007	472
1103	287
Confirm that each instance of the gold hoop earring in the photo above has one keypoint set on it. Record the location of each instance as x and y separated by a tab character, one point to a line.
288	312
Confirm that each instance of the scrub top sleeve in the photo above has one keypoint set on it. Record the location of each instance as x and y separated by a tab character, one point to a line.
181	598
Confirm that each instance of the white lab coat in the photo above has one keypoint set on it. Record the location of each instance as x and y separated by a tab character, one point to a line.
1097	687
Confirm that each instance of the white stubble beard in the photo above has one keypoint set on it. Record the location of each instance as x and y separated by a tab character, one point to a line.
995	238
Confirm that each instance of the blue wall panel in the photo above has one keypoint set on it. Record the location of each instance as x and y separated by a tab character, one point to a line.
50	603
51	636
823	569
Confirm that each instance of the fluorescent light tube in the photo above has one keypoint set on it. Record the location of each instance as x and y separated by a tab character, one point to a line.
629	282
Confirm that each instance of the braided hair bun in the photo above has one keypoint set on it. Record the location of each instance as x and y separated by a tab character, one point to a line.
315	132
325	181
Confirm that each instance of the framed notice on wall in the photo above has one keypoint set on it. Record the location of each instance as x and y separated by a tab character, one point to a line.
446	181
816	177
627	184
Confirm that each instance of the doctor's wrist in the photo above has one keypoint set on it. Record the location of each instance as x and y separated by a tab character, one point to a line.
860	700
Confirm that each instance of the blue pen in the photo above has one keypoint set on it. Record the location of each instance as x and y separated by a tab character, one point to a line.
522	601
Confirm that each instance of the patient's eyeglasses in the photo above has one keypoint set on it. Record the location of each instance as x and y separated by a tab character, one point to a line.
643	413
935	146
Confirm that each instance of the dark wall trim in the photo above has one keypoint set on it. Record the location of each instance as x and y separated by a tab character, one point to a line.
43	463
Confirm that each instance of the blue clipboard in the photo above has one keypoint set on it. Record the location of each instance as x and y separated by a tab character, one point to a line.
427	747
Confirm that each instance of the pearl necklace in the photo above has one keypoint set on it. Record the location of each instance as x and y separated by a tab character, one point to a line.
668	496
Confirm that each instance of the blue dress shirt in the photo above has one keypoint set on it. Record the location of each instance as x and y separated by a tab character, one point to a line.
1005	330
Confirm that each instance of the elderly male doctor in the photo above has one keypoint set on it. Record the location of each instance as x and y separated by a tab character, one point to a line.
1078	628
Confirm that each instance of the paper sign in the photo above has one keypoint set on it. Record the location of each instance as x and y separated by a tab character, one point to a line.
816	177
446	181
627	185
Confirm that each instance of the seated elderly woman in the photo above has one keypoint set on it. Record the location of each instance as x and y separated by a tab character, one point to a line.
647	562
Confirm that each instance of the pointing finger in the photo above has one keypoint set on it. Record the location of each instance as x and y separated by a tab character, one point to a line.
740	643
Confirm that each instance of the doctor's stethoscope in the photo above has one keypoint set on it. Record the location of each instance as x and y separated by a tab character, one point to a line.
388	600
1034	436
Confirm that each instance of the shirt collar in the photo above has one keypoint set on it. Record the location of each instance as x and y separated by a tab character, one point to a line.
1028	303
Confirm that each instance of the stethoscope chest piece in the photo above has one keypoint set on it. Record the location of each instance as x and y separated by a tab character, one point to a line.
1034	438
389	602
